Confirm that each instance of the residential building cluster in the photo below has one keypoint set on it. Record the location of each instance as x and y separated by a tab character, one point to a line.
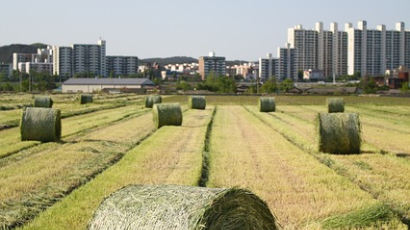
330	53
90	59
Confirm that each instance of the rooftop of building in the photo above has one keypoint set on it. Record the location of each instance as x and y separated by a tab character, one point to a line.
108	81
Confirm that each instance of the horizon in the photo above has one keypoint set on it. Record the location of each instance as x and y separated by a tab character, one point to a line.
237	30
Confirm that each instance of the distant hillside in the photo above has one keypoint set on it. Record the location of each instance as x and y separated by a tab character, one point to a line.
6	52
170	60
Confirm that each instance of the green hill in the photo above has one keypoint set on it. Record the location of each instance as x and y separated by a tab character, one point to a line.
6	52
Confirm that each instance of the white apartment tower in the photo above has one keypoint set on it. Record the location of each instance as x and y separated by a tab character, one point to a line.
62	60
372	52
306	44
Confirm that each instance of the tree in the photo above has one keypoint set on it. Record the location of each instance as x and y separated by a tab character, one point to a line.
286	85
183	85
368	85
405	87
270	86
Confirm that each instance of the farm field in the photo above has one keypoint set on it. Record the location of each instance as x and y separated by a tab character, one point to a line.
112	143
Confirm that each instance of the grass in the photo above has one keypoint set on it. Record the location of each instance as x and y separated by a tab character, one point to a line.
40	183
383	176
172	155
294	100
298	189
10	139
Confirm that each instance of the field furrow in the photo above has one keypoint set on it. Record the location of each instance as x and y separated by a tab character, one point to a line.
10	139
383	176
299	190
172	155
46	175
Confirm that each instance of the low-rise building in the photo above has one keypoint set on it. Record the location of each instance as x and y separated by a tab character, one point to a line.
89	85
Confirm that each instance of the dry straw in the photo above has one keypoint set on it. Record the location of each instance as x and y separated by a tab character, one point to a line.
267	104
151	100
182	207
40	124
43	102
339	133
197	102
167	114
335	105
86	98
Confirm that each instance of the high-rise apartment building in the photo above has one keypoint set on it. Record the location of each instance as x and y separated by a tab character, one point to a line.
89	58
287	63
373	51
62	61
212	63
282	67
306	44
122	65
267	67
339	51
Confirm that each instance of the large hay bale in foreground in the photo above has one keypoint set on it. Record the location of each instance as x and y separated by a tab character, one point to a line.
43	102
167	114
151	100
335	105
182	207
40	124
86	98
197	102
339	133
267	104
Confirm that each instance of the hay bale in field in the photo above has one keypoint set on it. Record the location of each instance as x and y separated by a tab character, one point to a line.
267	104
151	100
197	102
167	114
335	105
43	102
339	133
86	98
40	124
182	207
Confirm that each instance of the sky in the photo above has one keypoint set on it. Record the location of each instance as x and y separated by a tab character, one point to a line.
236	29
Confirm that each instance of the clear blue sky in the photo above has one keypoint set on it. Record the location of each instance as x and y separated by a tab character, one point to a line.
237	29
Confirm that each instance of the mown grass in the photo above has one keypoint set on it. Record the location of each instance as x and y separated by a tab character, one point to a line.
172	155
10	139
383	176
69	108
299	190
293	100
40	183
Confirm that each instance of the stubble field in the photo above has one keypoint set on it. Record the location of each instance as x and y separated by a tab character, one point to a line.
112	143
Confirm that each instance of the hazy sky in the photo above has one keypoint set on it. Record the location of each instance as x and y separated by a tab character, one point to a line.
237	29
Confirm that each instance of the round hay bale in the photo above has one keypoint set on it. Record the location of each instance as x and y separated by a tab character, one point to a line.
197	102
86	98
43	102
167	114
40	124
151	100
339	133
267	104
335	105
182	207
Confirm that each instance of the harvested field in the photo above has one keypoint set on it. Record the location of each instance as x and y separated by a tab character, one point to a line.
112	143
383	176
172	155
298	189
